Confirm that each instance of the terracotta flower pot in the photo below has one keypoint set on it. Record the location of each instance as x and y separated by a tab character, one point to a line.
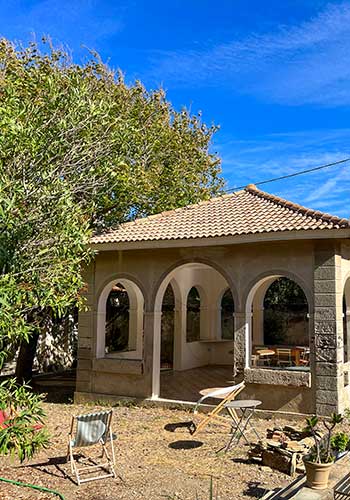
317	474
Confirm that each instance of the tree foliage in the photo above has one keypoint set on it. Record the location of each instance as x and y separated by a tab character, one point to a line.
22	431
80	150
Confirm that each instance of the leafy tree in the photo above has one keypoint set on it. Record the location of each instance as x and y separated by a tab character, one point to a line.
80	150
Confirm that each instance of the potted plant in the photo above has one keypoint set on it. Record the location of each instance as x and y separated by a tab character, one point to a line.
319	462
340	443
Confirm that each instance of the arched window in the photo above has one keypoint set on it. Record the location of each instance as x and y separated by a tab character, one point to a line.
193	315
346	321
345	331
227	310
167	329
120	320
117	321
285	314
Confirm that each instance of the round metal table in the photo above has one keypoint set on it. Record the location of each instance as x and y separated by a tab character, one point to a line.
240	423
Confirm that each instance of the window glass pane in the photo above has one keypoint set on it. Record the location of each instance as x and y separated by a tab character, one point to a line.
193	316
117	320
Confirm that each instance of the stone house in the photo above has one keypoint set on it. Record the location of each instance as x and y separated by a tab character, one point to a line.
177	302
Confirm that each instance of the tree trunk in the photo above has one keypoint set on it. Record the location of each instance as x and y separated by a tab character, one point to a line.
24	365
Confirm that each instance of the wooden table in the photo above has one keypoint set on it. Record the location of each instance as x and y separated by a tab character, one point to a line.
265	353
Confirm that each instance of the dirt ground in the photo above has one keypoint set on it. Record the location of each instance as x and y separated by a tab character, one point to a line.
152	462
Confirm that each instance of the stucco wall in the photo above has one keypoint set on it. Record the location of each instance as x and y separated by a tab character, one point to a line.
241	266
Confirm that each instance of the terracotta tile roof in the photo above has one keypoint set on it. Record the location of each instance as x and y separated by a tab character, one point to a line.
248	211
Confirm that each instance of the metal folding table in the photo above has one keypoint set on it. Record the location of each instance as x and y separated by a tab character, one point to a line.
240	423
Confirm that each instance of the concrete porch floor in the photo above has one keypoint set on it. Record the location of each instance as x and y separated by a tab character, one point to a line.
185	385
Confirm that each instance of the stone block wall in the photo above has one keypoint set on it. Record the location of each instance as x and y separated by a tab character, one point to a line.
327	340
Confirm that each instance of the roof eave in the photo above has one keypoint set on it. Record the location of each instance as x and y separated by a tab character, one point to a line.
312	234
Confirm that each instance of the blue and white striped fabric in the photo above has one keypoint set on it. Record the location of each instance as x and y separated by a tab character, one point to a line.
91	428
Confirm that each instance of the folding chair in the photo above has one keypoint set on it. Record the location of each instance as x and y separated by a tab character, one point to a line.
226	394
92	429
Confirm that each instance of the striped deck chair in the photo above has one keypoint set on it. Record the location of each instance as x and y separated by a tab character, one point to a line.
225	394
92	429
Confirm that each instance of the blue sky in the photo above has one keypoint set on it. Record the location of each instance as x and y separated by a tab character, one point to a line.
275	76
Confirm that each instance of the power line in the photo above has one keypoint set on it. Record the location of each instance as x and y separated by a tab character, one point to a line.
290	175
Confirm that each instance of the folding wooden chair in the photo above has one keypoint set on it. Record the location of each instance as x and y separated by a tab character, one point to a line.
284	357
226	394
92	429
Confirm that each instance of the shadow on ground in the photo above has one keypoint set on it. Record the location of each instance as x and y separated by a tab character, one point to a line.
255	490
55	464
185	445
172	427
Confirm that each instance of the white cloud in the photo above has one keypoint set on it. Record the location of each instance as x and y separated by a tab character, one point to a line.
274	155
308	63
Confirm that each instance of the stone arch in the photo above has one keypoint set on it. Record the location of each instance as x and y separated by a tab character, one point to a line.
121	276
260	285
136	310
202	294
156	301
155	296
346	318
274	274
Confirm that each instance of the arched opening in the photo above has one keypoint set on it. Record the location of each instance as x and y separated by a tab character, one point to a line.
285	314
279	325
227	311
120	320
167	330
117	321
197	290
346	320
193	316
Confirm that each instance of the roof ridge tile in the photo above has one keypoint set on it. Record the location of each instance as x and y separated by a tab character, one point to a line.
295	206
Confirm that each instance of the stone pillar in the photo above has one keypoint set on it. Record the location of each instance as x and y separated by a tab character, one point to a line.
240	342
151	347
327	342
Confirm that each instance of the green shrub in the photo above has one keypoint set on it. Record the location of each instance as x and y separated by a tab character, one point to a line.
340	441
22	433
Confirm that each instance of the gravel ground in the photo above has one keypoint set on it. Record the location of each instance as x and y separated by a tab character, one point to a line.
152	462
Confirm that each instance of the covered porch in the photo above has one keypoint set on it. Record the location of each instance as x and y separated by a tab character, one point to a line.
246	286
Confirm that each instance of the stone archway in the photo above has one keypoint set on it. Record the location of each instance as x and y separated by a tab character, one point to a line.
197	352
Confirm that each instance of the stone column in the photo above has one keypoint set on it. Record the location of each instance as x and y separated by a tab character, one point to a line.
151	349
327	341
240	342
